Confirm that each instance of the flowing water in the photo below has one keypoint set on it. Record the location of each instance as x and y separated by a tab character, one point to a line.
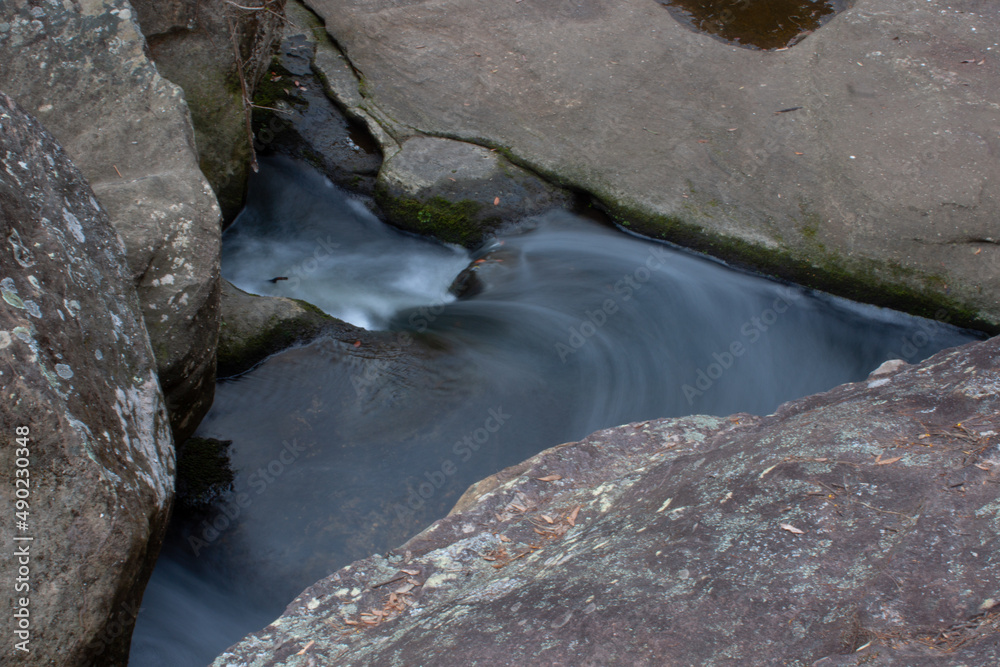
571	327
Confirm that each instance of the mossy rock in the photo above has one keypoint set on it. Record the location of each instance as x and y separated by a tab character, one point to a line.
459	192
449	221
255	327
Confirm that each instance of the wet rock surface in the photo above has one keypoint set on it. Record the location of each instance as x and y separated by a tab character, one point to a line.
129	132
857	526
254	327
87	443
297	118
860	160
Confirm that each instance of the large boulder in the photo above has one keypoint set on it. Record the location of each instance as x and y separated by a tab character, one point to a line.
87	468
861	160
858	526
194	44
83	69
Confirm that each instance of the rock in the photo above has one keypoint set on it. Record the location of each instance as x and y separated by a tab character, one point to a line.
192	45
85	425
129	132
861	160
307	125
255	327
859	525
457	191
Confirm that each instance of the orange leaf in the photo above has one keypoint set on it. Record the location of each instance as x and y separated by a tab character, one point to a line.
792	529
885	462
549	478
496	201
571	519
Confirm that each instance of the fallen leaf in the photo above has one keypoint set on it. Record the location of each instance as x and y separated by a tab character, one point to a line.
496	201
405	588
571	519
357	343
983	467
798	153
350	622
547	518
503	538
549	478
703	141
308	646
792	529
411	571
978	250
885	462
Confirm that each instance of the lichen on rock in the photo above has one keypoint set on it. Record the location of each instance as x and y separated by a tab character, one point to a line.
86	431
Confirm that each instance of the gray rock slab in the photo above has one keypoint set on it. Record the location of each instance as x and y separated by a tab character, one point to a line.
886	172
86	439
857	526
83	70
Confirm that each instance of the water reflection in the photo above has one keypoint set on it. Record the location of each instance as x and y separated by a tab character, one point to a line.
762	24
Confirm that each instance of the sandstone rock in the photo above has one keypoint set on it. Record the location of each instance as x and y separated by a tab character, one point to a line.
858	526
881	184
457	191
79	384
192	44
129	132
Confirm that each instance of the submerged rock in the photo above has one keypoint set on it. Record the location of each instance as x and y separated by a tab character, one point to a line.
86	437
860	161
857	526
129	132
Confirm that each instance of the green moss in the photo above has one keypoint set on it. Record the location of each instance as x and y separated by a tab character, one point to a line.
203	471
452	222
269	92
886	284
238	354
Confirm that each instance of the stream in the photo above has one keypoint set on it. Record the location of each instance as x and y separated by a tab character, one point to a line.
570	326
